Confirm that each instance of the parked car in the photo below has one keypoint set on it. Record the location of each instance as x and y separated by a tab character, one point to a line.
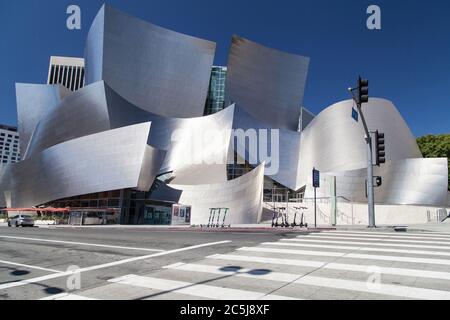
21	220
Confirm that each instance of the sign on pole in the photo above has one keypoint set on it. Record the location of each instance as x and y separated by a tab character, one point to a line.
316	178
316	184
355	114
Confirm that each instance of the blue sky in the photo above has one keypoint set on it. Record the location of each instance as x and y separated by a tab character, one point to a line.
408	61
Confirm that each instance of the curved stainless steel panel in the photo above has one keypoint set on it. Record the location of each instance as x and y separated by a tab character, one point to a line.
156	69
288	146
33	102
243	197
83	113
202	142
110	160
267	83
406	181
333	141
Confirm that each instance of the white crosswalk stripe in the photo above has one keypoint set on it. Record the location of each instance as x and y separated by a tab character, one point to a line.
200	290
394	234
371	239
347	255
241	272
67	296
287	277
334	266
308	245
381	236
387	289
313	266
379	244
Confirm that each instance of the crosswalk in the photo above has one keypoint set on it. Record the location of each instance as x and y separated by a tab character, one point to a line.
326	265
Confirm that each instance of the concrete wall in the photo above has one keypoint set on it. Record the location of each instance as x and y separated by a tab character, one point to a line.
356	213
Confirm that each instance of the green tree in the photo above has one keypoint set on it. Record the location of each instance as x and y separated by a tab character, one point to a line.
436	146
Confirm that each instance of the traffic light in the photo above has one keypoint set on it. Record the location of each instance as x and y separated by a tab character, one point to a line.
378	181
363	90
380	148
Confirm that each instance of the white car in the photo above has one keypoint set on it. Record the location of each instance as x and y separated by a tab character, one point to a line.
21	220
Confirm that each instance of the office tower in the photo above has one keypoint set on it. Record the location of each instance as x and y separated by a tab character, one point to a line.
9	144
216	92
66	71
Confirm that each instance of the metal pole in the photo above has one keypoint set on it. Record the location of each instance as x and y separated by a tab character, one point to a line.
315	208
370	191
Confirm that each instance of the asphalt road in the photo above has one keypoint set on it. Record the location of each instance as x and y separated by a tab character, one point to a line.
128	263
34	248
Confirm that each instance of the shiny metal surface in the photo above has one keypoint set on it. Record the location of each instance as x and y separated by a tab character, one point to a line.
408	181
110	160
83	113
243	196
140	115
267	83
201	146
34	101
156	69
288	146
333	141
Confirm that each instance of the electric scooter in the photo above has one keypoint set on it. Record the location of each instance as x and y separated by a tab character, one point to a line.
301	221
276	224
209	220
218	217
301	224
213	214
284	218
294	224
224	216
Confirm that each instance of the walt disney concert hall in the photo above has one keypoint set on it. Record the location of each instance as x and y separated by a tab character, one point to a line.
136	140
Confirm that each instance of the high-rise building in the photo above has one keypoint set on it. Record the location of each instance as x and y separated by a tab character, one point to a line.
9	144
216	92
66	71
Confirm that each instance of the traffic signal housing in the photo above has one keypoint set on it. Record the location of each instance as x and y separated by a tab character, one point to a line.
378	181
380	148
363	90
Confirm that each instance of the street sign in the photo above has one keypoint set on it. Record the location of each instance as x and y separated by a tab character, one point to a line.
316	178
316	184
355	114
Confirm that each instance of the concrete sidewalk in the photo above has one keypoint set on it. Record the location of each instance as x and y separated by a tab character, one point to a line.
442	227
233	228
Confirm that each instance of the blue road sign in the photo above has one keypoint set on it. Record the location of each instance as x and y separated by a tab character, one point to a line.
316	178
355	114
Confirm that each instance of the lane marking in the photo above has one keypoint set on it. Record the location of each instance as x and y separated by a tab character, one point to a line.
81	243
107	265
281	261
193	289
335	266
385	289
28	266
67	296
380	236
370	239
394	234
290	251
399	259
259	274
325	246
348	255
381	244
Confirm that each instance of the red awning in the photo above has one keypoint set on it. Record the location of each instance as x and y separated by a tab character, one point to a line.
38	209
